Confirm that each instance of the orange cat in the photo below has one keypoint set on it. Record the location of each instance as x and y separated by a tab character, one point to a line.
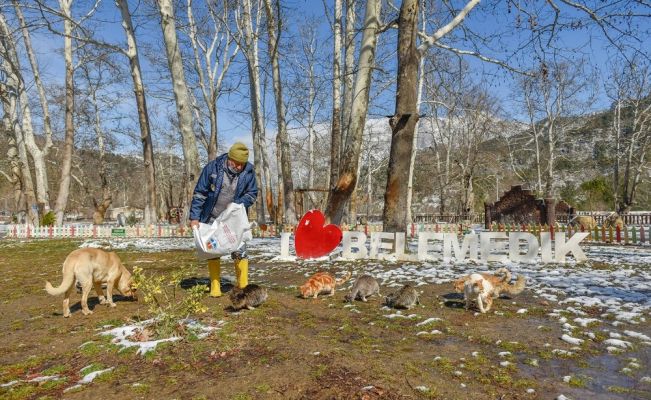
321	282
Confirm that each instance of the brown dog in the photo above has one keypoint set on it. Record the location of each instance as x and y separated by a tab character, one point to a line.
91	267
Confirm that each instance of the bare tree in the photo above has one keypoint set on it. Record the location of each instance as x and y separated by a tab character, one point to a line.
630	90
69	141
97	75
349	67
181	94
248	37
341	190
274	31
131	53
403	122
214	49
335	135
38	154
20	177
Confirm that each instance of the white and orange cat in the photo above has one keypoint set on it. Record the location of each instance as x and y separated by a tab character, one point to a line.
321	282
479	289
484	287
500	281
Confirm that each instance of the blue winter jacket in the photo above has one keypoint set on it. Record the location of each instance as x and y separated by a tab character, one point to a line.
210	184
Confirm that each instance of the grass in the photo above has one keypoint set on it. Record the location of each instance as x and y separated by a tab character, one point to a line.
141	388
284	333
578	381
319	371
14	371
55	370
262	388
92	349
513	347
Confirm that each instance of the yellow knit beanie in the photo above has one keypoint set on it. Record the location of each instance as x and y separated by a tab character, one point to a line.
239	152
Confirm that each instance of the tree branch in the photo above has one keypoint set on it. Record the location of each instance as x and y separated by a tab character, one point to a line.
444	30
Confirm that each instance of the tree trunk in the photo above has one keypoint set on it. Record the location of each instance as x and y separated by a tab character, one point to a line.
273	28
26	178
107	198
311	137
26	138
38	154
403	122
280	190
257	117
183	103
347	179
335	134
349	70
69	141
617	132
143	114
412	159
20	178
549	181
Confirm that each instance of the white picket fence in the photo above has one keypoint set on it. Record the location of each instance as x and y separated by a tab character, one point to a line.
96	231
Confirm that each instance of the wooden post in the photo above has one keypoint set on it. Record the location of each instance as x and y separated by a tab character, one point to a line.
550	211
487	216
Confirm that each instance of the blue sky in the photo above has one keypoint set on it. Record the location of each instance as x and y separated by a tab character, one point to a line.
489	18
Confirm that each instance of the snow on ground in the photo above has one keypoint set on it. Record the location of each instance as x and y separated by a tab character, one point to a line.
121	335
616	279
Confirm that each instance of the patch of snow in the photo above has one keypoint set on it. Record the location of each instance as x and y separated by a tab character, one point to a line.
584	322
637	335
399	315
91	377
623	344
571	340
44	378
428	321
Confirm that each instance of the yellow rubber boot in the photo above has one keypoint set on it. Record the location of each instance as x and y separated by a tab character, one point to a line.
215	271
242	272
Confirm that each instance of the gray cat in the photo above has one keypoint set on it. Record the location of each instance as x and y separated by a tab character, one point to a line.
249	297
406	297
364	286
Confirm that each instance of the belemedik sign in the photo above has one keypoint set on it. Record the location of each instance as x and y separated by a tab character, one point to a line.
485	246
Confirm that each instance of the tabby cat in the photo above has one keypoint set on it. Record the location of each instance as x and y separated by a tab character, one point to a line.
251	296
406	297
364	286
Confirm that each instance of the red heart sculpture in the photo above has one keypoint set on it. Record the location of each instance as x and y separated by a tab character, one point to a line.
312	239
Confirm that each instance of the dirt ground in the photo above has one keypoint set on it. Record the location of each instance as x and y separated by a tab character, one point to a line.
293	348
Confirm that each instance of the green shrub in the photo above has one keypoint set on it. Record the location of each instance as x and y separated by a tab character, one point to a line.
132	220
161	295
48	219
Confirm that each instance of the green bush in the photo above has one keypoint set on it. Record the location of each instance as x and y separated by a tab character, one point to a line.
132	220
161	294
598	193
48	219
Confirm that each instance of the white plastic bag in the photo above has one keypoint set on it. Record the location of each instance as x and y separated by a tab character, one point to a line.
226	234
